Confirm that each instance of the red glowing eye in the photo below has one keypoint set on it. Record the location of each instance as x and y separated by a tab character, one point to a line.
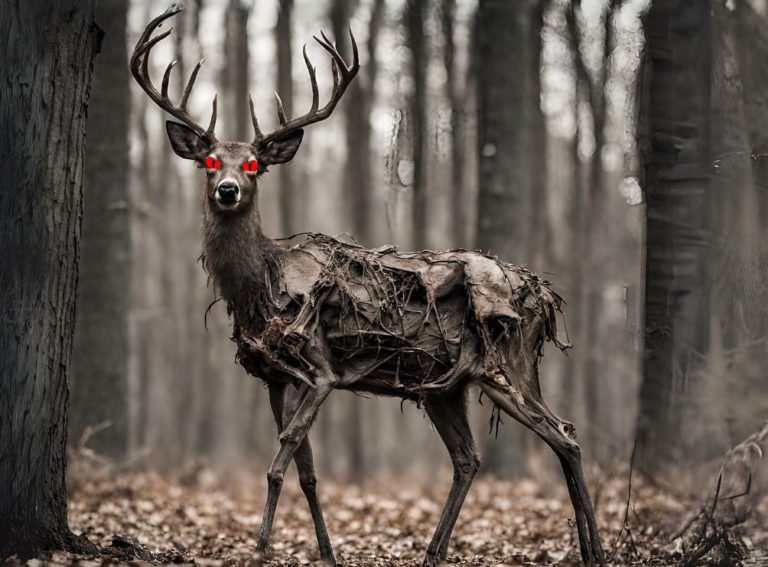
212	163
251	165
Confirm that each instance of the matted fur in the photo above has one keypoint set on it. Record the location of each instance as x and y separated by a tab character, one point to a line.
396	323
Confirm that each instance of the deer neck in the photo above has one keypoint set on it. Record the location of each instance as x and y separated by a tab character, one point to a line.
235	253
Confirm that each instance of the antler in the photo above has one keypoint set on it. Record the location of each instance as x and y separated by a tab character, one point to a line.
140	72
342	77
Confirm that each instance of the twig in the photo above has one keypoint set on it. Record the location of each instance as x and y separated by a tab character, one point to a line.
625	522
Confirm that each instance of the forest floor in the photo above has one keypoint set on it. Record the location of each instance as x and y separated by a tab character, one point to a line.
147	519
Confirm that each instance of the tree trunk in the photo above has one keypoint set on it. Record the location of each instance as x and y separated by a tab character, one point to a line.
540	234
100	356
283	37
676	113
236	75
357	191
456	92
592	227
504	128
46	61
415	16
358	184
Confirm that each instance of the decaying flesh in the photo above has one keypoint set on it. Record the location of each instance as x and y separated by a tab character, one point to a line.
404	324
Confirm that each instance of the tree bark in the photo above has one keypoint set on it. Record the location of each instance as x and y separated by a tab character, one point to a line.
592	227
100	356
46	61
504	93
540	234
283	38
358	184
415	16
677	177
236	71
456	92
357	190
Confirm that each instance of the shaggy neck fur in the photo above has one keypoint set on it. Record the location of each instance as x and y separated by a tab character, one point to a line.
235	251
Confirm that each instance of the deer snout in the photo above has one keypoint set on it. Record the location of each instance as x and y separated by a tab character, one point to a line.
228	192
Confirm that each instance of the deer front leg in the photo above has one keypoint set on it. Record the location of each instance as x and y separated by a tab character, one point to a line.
449	414
534	414
284	401
570	458
290	439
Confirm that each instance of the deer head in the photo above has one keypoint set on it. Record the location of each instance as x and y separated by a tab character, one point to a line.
233	167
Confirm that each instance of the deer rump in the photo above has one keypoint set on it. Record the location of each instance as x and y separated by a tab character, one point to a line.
396	323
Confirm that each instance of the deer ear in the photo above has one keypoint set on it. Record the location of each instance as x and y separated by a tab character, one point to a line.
282	150
186	142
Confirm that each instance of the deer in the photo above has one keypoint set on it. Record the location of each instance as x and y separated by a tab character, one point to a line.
312	314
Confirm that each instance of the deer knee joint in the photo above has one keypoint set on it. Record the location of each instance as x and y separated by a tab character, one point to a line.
307	481
290	436
571	449
467	468
275	479
574	450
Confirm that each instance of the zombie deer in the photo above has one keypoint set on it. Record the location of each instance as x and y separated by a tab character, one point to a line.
313	314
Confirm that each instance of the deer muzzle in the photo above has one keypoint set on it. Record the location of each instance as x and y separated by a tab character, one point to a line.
228	192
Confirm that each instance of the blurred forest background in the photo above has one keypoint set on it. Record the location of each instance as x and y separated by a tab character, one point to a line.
527	129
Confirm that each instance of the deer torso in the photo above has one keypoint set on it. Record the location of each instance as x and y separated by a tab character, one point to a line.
390	322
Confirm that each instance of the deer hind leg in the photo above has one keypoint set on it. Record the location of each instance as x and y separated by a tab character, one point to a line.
292	436
449	414
530	410
284	401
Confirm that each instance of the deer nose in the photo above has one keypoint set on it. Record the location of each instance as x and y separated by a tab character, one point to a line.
228	192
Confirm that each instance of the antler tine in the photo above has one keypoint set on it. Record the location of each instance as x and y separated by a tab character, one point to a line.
328	46
139	66
355	53
258	136
342	77
313	81
172	10
167	78
212	123
190	84
336	77
142	55
280	110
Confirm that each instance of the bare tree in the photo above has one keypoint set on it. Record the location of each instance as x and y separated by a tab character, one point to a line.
100	356
236	71
589	203
675	120
358	183
506	31
414	17
283	39
578	216
539	233
592	87
357	189
456	92
46	79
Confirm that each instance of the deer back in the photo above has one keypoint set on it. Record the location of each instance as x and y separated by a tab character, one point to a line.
411	322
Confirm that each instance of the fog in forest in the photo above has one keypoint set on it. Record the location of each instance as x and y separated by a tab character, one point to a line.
626	164
175	398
